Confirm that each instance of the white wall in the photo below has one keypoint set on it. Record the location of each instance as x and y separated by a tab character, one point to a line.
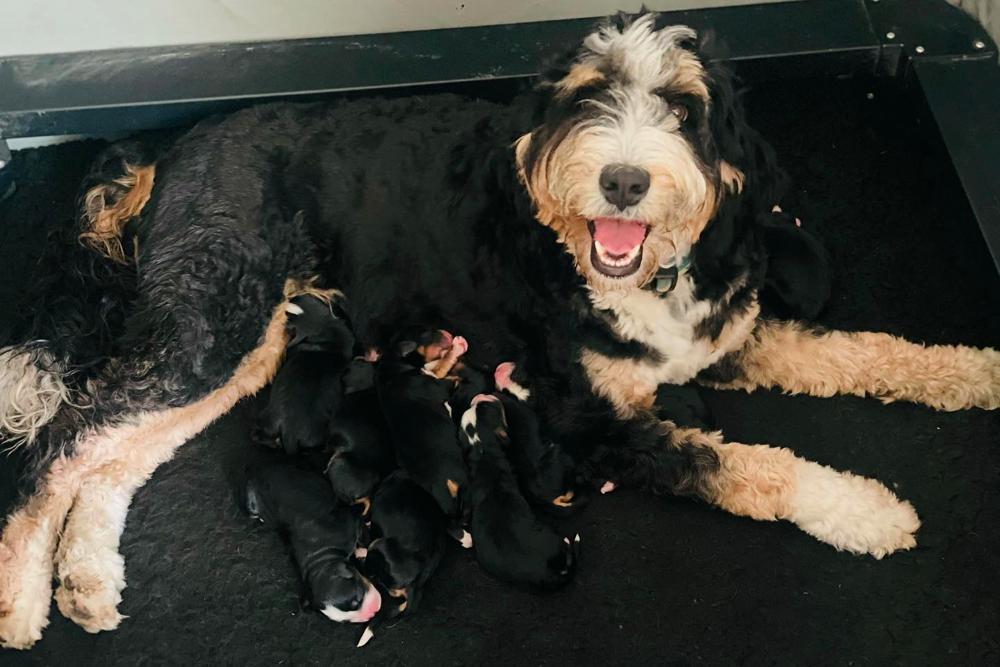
49	26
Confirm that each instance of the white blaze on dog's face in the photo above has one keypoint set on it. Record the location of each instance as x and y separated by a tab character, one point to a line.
363	610
622	168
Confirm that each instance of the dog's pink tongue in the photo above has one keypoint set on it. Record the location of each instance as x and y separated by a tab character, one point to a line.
618	236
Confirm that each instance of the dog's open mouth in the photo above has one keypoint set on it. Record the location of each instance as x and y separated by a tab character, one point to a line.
616	250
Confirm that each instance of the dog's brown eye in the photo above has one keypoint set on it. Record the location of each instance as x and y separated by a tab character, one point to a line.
680	112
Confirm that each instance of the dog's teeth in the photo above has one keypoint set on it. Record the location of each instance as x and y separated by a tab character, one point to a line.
566	540
600	248
577	538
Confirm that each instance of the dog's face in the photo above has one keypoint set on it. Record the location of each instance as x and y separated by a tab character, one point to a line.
344	595
624	167
484	418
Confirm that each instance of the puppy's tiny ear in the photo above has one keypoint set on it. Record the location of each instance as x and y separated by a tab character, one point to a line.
406	347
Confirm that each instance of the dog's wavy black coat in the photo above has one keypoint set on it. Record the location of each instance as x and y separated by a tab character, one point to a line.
413	208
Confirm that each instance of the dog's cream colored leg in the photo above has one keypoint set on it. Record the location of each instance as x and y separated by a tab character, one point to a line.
802	361
849	512
90	569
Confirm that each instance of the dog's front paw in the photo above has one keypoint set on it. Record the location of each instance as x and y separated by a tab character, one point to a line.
851	513
90	598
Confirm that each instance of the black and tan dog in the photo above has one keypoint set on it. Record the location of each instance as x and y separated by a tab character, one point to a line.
606	229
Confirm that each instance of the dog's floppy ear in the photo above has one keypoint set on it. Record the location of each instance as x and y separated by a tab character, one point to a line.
746	163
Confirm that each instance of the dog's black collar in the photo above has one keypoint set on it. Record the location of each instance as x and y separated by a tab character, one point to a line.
665	279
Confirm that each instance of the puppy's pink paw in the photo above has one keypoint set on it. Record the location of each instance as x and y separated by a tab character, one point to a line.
503	373
608	487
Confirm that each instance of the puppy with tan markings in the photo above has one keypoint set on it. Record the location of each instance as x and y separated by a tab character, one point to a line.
409	530
307	388
511	543
415	403
546	472
323	534
359	437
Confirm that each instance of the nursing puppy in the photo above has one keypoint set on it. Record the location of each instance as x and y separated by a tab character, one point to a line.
359	437
546	472
307	388
511	543
323	535
409	530
415	405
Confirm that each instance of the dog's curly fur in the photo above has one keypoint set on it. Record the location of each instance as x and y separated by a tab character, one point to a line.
477	223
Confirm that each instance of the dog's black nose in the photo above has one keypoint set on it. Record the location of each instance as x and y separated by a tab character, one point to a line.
623	185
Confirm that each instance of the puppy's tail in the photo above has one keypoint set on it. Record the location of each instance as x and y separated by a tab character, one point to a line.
74	306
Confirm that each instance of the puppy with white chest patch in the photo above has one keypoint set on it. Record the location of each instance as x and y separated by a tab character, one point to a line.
323	534
511	543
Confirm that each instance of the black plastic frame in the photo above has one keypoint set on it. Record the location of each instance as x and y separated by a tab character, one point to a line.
927	46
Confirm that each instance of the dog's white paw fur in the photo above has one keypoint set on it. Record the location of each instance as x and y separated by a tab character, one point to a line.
851	513
25	595
91	586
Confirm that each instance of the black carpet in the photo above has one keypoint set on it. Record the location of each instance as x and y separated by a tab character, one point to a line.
662	582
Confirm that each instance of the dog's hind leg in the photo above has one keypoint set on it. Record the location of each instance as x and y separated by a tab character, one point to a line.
89	567
800	360
108	463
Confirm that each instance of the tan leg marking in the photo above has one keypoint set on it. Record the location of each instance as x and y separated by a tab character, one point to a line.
800	361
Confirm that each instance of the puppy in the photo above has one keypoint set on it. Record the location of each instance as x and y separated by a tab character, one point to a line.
323	534
359	437
546	473
798	278
409	530
307	388
511	543
683	405
415	404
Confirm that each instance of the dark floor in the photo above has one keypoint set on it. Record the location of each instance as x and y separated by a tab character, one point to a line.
661	582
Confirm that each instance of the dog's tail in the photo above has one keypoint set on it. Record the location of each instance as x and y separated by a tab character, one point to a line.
75	300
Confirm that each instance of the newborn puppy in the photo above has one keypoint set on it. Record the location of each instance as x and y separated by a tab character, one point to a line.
547	474
307	387
359	436
683	405
511	543
798	278
415	405
323	534
409	530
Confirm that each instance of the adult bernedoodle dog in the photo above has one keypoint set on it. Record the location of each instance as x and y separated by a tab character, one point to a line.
606	232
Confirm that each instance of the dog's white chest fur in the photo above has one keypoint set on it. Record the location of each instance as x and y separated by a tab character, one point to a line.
668	325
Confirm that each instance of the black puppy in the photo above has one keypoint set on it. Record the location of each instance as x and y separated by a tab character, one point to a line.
511	543
323	534
414	391
409	530
798	278
546	472
307	388
359	437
